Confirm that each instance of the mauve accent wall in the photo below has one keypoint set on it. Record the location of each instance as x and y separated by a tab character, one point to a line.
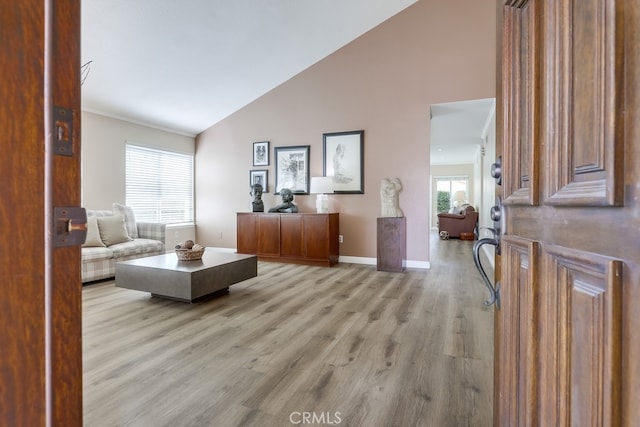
384	83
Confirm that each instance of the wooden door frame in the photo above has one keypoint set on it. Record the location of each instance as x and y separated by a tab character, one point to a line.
498	194
66	282
40	319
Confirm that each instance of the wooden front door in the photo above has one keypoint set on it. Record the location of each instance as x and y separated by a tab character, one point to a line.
568	328
40	285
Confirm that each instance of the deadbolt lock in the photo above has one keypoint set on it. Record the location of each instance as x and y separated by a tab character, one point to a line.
70	225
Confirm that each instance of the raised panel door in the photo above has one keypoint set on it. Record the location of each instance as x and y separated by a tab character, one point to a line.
317	239
519	86
517	370
268	235
585	141
567	346
291	235
247	233
583	327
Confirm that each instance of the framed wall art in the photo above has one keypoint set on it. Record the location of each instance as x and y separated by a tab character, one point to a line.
261	153
259	177
343	160
292	169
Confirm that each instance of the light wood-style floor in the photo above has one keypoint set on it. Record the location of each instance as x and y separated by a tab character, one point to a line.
347	345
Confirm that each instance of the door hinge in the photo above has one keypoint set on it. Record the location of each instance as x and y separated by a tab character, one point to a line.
70	226
62	131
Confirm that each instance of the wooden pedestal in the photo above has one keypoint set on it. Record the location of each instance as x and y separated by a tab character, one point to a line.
392	244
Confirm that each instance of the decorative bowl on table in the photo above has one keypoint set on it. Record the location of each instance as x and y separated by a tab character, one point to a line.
189	251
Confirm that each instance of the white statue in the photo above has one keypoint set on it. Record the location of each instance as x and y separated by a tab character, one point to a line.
389	190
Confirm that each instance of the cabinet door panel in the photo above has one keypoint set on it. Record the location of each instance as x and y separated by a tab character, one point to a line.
316	236
291	236
269	235
247	241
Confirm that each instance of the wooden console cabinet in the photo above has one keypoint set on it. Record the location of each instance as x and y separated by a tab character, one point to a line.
301	238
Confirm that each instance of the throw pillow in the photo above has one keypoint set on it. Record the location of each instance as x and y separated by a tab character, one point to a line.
113	230
93	233
129	219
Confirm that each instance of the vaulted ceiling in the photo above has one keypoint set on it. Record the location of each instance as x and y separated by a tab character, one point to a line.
185	65
458	130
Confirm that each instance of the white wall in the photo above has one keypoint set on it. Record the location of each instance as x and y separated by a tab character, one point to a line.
476	201
103	155
103	161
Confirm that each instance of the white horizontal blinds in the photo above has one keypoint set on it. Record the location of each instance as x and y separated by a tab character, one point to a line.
159	185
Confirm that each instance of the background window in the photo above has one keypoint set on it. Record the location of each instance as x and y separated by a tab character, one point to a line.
159	185
449	190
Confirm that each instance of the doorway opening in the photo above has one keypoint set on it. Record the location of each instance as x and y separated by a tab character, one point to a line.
462	149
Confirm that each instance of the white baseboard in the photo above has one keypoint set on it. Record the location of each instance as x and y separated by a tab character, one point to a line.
227	250
424	265
358	260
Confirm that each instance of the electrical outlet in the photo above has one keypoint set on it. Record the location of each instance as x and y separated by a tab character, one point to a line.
340	238
221	235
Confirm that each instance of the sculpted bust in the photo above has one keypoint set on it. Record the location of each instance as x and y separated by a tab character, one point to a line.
389	189
287	205
256	192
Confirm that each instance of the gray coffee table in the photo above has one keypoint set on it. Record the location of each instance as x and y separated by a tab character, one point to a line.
167	277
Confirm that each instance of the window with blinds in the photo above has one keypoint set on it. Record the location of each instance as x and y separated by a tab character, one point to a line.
159	185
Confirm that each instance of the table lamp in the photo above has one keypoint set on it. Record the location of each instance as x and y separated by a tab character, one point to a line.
321	185
459	198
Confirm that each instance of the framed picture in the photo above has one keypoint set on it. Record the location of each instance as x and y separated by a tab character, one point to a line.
261	153
292	169
343	160
259	177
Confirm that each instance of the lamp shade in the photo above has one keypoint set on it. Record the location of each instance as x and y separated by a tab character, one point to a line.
321	185
459	196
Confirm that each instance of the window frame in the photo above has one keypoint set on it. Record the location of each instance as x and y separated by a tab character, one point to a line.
171	205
